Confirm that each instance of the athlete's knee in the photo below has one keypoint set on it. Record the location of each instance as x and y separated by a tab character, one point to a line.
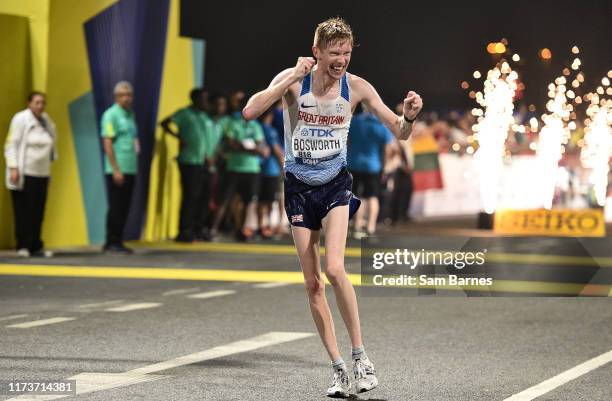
314	286
335	273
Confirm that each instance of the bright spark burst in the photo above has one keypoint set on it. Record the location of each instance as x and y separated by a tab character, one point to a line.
597	148
553	136
497	102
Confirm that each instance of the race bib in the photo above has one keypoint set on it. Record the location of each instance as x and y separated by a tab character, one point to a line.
312	145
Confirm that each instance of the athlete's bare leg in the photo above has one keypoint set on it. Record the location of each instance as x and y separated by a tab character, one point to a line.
335	225
307	244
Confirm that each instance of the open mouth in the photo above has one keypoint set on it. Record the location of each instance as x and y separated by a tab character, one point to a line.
337	68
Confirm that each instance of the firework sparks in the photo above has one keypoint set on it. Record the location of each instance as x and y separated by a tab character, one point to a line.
492	130
495	122
597	148
556	132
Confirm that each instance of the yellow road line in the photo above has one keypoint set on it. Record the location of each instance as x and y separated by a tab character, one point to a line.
155	273
289	250
514	286
265	249
226	247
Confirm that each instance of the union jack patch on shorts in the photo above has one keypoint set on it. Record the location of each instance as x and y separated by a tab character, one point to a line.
297	218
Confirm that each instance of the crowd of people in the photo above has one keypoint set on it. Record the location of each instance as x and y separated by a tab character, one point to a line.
225	163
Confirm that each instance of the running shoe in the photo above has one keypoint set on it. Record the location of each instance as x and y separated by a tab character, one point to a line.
42	253
365	375
23	253
359	234
340	385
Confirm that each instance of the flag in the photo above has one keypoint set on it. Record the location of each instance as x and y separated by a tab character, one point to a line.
426	173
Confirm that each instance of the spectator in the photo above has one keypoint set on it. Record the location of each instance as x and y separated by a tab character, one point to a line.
402	183
370	141
270	174
220	119
195	130
279	124
456	133
121	147
214	160
244	141
29	149
400	173
236	102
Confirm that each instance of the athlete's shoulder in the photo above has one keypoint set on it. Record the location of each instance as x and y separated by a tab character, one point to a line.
360	88
358	83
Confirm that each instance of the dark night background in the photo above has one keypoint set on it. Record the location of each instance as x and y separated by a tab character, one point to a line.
429	47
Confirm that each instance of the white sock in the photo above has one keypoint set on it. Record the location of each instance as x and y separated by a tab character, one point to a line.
338	364
358	353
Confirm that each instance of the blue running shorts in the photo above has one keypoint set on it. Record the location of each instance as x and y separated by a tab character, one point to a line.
306	205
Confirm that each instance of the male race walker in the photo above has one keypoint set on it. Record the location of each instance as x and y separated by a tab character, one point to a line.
318	96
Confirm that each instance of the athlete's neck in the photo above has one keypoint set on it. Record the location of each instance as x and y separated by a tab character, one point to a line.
322	82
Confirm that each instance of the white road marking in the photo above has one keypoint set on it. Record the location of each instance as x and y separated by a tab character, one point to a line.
271	285
211	294
180	291
562	378
12	317
99	304
237	347
42	322
93	382
131	307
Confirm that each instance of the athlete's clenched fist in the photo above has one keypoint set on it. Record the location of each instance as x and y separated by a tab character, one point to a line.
303	67
412	105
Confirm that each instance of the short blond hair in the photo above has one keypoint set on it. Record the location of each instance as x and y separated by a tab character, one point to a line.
331	31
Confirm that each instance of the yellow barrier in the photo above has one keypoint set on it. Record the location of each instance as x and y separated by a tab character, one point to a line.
556	222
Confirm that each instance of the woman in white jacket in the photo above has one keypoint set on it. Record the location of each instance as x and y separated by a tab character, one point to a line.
29	149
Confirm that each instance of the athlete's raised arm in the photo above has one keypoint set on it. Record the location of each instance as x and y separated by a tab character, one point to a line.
261	101
400	126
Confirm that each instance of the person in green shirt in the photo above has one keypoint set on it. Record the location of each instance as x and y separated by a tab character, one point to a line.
215	162
244	144
220	123
121	147
194	129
